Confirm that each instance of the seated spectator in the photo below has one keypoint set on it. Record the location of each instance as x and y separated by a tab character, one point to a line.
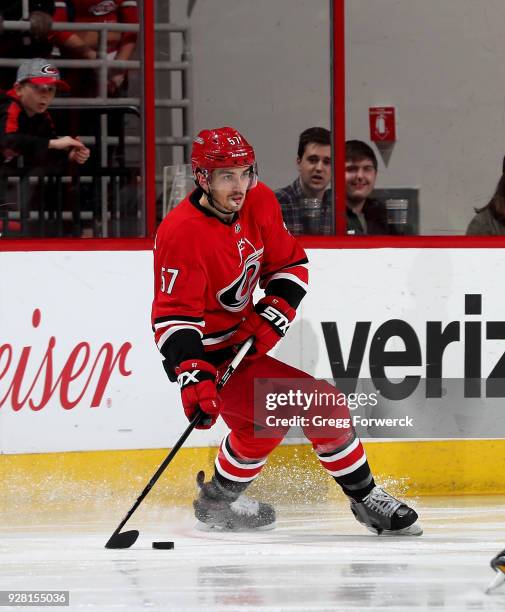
33	43
490	219
84	44
364	214
314	169
26	129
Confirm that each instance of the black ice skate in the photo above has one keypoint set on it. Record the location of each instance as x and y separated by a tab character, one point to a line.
498	564
382	514
222	510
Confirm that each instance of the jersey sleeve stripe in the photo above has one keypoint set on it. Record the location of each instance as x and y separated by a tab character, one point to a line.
158	326
302	262
219	336
209	341
294	264
291	277
178	318
164	337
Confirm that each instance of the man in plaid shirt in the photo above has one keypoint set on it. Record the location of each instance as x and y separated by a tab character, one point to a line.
314	167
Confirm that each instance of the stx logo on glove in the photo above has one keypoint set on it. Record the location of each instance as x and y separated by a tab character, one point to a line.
188	378
197	379
267	324
279	321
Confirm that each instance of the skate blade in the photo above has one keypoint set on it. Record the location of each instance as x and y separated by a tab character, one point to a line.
498	580
411	530
223	529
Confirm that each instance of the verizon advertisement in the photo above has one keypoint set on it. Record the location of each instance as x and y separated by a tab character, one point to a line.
422	331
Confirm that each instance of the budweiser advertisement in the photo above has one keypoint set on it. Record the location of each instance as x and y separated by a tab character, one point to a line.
79	369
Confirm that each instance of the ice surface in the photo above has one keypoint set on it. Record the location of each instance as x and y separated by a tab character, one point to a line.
318	558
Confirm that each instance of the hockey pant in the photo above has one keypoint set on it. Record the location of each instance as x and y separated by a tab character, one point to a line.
242	455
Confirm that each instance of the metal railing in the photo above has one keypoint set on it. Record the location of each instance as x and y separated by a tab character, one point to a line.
69	204
103	64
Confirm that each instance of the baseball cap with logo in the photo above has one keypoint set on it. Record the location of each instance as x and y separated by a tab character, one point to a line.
40	72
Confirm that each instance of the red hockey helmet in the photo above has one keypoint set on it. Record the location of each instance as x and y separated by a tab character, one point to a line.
222	148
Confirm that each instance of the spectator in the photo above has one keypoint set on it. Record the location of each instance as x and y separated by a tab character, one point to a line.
490	219
84	45
314	168
364	215
16	44
26	129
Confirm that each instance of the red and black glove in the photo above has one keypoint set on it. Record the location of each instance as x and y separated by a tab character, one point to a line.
197	380
268	323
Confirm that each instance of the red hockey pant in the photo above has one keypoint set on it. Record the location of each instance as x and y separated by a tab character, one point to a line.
242	455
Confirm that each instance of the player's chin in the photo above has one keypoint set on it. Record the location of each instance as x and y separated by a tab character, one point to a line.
234	205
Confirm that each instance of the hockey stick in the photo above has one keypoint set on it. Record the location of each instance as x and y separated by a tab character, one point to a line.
128	538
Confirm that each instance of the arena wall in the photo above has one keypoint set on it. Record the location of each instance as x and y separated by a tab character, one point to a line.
82	389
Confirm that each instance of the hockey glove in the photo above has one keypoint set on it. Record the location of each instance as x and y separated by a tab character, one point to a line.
268	323
197	380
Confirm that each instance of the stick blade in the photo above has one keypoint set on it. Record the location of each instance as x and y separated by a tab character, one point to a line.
123	540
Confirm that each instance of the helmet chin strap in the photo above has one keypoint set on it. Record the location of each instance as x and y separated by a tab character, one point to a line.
212	203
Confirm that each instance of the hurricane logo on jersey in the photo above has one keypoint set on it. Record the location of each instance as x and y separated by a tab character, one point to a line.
103	8
237	295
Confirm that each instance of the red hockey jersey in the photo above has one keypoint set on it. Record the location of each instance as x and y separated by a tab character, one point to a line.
96	11
205	272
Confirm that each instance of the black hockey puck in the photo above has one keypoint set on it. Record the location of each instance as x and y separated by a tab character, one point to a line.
163	545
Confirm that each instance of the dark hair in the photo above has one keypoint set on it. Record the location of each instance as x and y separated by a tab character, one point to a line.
317	135
356	150
496	204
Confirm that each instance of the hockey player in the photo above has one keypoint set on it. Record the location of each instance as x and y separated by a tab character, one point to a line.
210	252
